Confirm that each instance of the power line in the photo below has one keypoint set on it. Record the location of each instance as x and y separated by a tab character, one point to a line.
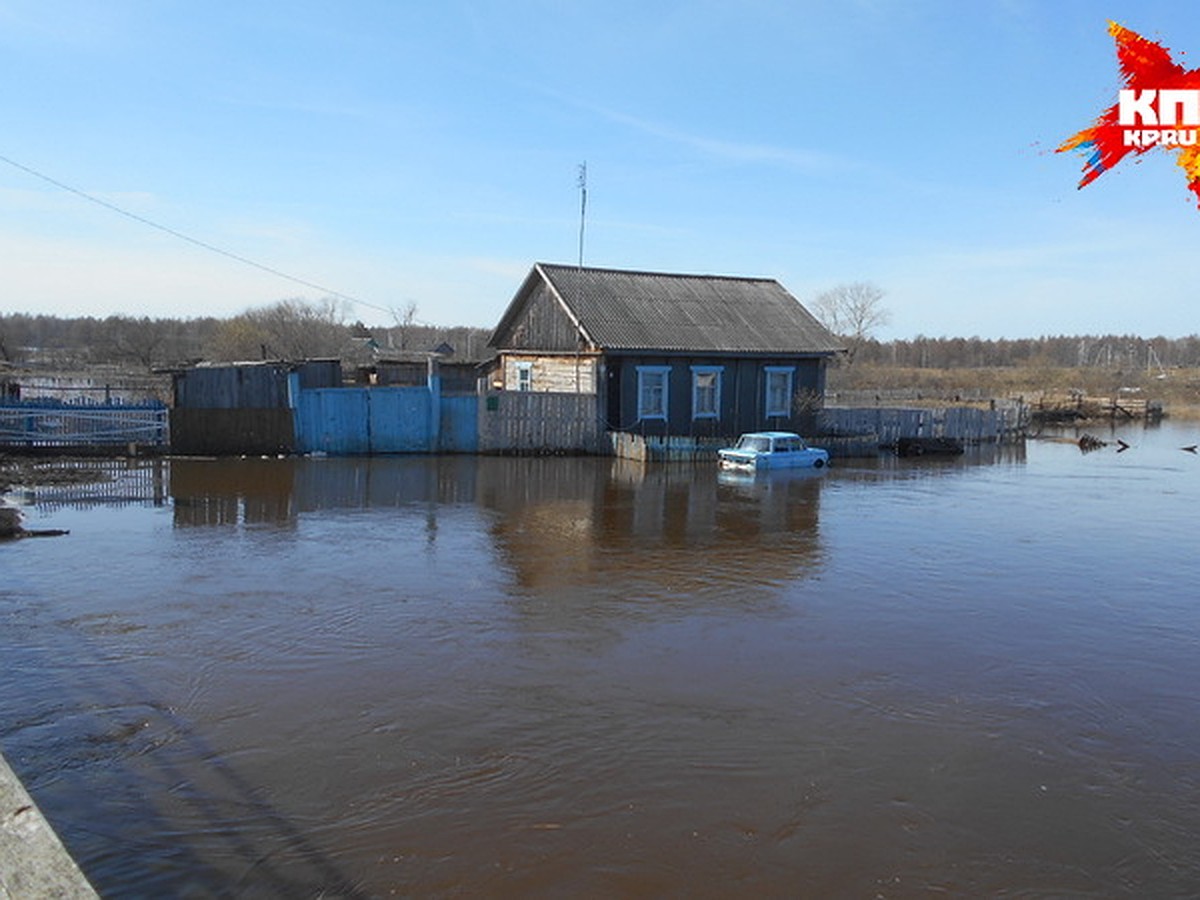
191	240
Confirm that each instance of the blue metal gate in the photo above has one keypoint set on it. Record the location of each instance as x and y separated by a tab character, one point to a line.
47	423
348	421
459	432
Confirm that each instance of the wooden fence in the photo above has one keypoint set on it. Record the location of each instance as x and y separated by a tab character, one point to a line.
1073	406
537	422
967	424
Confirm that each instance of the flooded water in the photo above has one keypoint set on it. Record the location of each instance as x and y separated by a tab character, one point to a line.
560	677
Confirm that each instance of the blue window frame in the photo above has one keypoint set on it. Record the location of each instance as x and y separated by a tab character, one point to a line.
706	392
652	391
779	390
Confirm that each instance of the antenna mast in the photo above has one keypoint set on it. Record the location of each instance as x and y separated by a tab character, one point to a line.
582	182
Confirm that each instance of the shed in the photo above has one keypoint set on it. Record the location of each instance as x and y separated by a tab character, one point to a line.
239	408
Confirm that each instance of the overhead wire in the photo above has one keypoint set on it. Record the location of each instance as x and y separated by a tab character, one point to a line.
339	295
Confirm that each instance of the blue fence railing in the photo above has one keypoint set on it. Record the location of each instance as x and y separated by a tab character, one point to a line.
42	423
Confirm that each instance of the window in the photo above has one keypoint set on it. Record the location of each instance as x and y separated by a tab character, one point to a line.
755	442
779	390
524	376
706	392
652	392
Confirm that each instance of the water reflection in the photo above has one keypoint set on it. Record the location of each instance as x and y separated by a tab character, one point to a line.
279	491
566	521
233	492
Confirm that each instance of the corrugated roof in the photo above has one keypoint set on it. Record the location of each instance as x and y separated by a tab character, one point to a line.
624	310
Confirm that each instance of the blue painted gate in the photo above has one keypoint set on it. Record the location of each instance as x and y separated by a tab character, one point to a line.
348	421
459	431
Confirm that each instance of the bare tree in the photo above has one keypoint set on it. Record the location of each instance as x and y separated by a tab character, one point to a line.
852	312
239	339
404	323
289	329
128	339
302	329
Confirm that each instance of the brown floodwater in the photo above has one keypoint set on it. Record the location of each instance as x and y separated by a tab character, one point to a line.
466	676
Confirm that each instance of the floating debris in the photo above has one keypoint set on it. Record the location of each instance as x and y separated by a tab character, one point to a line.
11	528
920	446
1089	442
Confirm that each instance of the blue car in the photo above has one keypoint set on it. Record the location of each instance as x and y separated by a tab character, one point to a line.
759	450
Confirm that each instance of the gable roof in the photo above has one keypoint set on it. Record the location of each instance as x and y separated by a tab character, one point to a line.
624	310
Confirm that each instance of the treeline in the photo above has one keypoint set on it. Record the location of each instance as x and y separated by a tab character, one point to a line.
290	329
295	329
1113	352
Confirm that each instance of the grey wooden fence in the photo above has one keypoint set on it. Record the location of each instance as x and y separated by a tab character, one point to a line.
970	425
537	422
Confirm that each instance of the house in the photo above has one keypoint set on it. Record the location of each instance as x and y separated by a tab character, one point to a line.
666	354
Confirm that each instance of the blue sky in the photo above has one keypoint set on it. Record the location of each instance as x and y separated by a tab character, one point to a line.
427	153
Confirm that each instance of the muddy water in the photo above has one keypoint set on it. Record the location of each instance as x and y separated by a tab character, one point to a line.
558	677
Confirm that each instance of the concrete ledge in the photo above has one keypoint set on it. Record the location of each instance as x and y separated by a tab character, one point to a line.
33	862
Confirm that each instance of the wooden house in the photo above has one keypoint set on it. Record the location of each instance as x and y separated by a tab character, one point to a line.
666	354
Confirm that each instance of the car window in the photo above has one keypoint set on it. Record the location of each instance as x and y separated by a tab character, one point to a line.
753	442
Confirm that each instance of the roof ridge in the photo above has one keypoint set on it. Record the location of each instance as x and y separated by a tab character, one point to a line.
709	275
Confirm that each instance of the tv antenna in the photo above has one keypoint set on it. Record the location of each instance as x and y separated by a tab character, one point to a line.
582	183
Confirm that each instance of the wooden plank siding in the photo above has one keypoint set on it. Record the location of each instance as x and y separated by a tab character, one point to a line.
232	432
539	422
545	326
567	374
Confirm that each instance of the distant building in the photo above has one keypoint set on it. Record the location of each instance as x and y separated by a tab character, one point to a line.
666	354
10	389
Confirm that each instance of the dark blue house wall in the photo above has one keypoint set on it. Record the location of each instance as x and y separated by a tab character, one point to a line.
743	400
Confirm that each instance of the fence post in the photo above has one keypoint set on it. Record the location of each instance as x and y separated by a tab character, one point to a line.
434	381
293	402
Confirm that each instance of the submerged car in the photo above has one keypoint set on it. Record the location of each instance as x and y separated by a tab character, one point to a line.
759	450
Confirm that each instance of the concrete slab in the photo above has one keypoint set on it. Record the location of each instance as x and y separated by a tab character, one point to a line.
33	862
